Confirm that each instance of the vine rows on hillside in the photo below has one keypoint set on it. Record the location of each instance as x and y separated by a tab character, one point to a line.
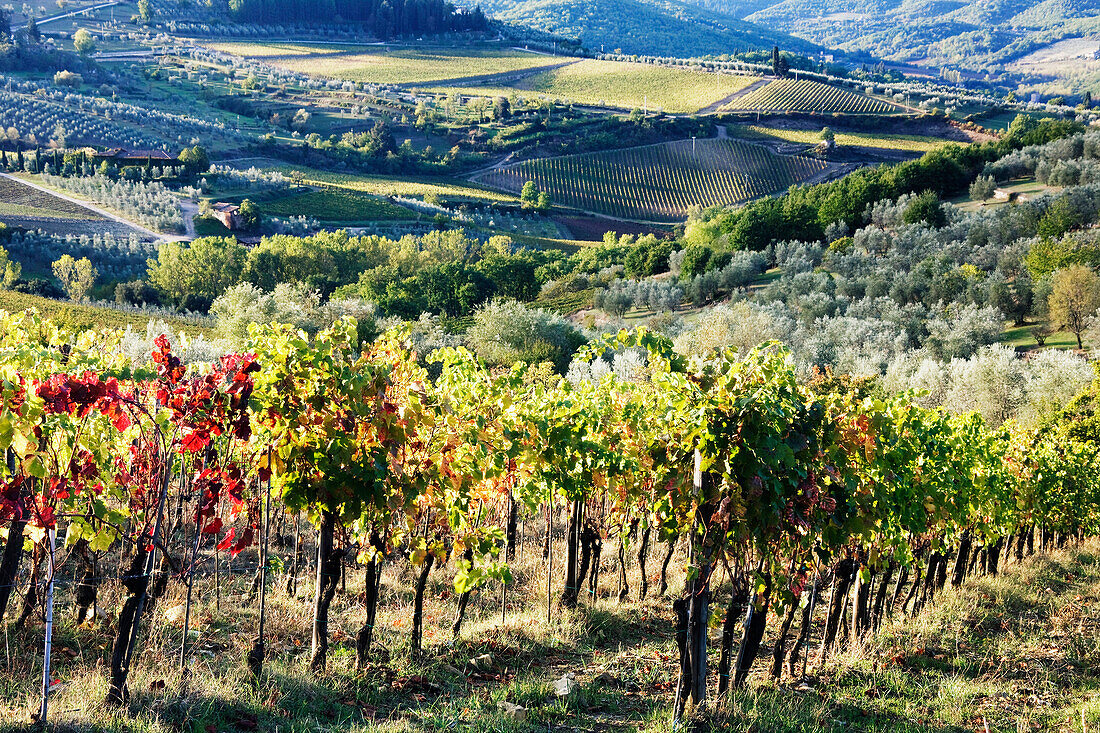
660	182
806	95
789	485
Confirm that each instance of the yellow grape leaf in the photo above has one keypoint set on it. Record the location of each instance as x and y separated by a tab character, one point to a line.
102	541
20	444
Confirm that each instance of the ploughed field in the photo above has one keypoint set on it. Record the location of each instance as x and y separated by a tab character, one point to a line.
24	207
660	182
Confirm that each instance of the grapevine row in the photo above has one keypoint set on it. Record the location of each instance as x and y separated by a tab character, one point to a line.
805	95
660	182
791	486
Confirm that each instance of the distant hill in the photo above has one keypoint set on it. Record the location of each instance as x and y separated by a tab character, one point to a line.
979	36
647	27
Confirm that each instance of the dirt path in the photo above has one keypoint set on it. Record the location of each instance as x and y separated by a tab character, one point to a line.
82	11
486	79
92	207
712	108
494	167
190	210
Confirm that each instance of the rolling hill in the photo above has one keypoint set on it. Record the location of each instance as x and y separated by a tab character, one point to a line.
978	36
647	27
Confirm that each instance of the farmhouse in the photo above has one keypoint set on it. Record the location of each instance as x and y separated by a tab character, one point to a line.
227	214
125	156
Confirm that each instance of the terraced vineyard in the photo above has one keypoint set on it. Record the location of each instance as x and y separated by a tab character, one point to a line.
806	95
659	182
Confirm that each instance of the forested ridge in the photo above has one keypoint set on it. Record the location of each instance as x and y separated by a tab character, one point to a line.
385	18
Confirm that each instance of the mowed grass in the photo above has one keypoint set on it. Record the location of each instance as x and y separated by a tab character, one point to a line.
400	66
629	86
336	205
404	186
914	143
19	200
1023	188
208	226
1022	338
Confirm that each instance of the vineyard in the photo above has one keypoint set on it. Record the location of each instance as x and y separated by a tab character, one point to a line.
401	186
659	182
17	200
885	141
336	205
810	97
181	490
626	86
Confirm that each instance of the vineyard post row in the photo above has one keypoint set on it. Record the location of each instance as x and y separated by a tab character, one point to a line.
787	486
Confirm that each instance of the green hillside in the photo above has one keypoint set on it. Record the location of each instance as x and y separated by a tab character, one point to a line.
969	35
657	27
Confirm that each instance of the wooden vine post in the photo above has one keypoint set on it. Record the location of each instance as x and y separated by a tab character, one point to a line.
43	711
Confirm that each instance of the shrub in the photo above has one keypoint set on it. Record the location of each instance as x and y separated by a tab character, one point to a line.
506	332
67	79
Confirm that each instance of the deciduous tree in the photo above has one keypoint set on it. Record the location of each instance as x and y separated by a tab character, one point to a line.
75	276
1074	299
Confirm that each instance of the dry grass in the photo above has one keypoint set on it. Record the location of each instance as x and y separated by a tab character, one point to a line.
1014	652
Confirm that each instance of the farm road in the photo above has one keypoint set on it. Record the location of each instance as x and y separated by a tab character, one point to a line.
91	207
712	108
190	210
75	12
499	78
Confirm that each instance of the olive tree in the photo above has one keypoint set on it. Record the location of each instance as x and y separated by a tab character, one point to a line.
506	332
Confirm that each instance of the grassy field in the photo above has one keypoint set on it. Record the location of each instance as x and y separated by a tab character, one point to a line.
659	182
1023	188
1014	652
383	185
400	66
208	226
628	86
808	96
998	122
336	205
1022	339
914	143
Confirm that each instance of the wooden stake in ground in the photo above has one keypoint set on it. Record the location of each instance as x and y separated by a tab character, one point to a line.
256	656
49	632
191	580
549	554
